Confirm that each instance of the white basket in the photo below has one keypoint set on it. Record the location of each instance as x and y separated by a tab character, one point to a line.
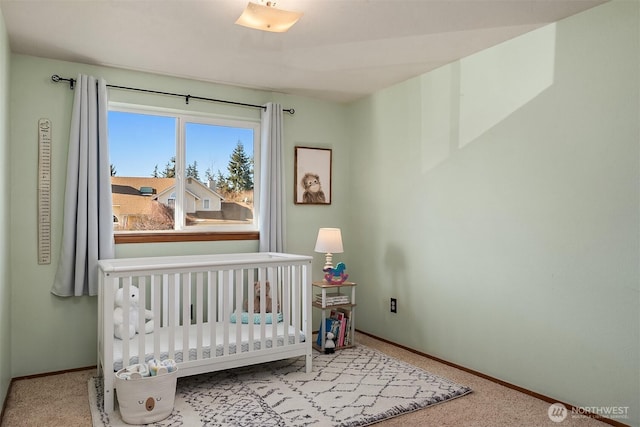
147	399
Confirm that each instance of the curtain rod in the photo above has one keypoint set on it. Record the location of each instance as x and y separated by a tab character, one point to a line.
56	78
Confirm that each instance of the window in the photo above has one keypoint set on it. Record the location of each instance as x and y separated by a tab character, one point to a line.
173	172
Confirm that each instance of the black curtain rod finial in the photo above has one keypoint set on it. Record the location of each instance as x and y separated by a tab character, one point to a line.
56	78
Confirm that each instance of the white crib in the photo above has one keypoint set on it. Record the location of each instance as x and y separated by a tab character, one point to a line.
199	305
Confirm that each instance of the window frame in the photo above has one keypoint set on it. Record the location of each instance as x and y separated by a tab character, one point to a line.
181	231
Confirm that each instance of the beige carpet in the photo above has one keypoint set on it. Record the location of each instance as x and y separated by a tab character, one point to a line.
62	400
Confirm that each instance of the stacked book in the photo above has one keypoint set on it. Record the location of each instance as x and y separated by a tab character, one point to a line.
333	298
339	323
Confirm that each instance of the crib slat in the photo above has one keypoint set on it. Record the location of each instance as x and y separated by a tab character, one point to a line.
285	306
295	298
165	300
186	314
250	305
213	316
262	279
305	300
238	294
198	304
157	286
142	305
172	316
125	316
273	283
225	283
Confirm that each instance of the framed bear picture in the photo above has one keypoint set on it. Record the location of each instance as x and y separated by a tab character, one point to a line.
312	176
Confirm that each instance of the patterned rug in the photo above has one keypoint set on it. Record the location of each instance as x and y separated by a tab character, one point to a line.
356	386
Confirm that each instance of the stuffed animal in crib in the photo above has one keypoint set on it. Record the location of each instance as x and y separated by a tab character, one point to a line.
256	299
336	275
118	314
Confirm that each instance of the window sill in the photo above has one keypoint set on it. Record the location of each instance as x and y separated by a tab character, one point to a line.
185	237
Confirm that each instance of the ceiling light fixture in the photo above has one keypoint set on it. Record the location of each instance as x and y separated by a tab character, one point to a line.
267	17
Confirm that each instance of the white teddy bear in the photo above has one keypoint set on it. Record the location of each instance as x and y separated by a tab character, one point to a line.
118	314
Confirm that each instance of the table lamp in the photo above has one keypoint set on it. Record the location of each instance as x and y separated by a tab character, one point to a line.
329	242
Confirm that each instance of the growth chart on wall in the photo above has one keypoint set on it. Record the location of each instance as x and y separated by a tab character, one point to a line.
44	191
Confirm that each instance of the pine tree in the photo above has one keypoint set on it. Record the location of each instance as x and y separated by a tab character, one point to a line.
170	169
208	175
192	171
222	183
155	173
240	170
113	170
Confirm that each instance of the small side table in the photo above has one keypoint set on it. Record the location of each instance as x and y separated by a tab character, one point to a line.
333	297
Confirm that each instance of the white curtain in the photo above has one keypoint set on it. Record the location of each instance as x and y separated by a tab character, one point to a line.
272	189
88	214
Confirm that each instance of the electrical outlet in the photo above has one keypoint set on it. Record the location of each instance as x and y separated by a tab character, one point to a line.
394	305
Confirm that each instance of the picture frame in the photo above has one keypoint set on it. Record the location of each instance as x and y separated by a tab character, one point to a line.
312	172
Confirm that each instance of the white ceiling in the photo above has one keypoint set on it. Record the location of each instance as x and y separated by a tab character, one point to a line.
340	50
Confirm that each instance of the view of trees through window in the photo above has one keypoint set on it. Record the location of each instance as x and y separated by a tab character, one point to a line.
217	157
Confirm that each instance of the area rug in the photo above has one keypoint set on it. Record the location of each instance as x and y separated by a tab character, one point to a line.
356	386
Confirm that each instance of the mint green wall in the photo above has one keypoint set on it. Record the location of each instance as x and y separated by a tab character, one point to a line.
67	327
498	200
5	270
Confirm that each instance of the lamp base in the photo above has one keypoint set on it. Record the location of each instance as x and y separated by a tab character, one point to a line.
328	261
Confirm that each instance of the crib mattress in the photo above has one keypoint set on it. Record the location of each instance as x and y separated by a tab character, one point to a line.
283	332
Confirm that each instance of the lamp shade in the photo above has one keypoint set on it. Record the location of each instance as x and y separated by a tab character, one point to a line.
267	18
329	241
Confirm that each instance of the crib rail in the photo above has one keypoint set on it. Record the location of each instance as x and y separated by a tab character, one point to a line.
199	304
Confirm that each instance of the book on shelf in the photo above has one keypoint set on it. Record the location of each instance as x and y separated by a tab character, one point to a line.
333	295
340	317
347	327
331	325
332	302
333	298
343	315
